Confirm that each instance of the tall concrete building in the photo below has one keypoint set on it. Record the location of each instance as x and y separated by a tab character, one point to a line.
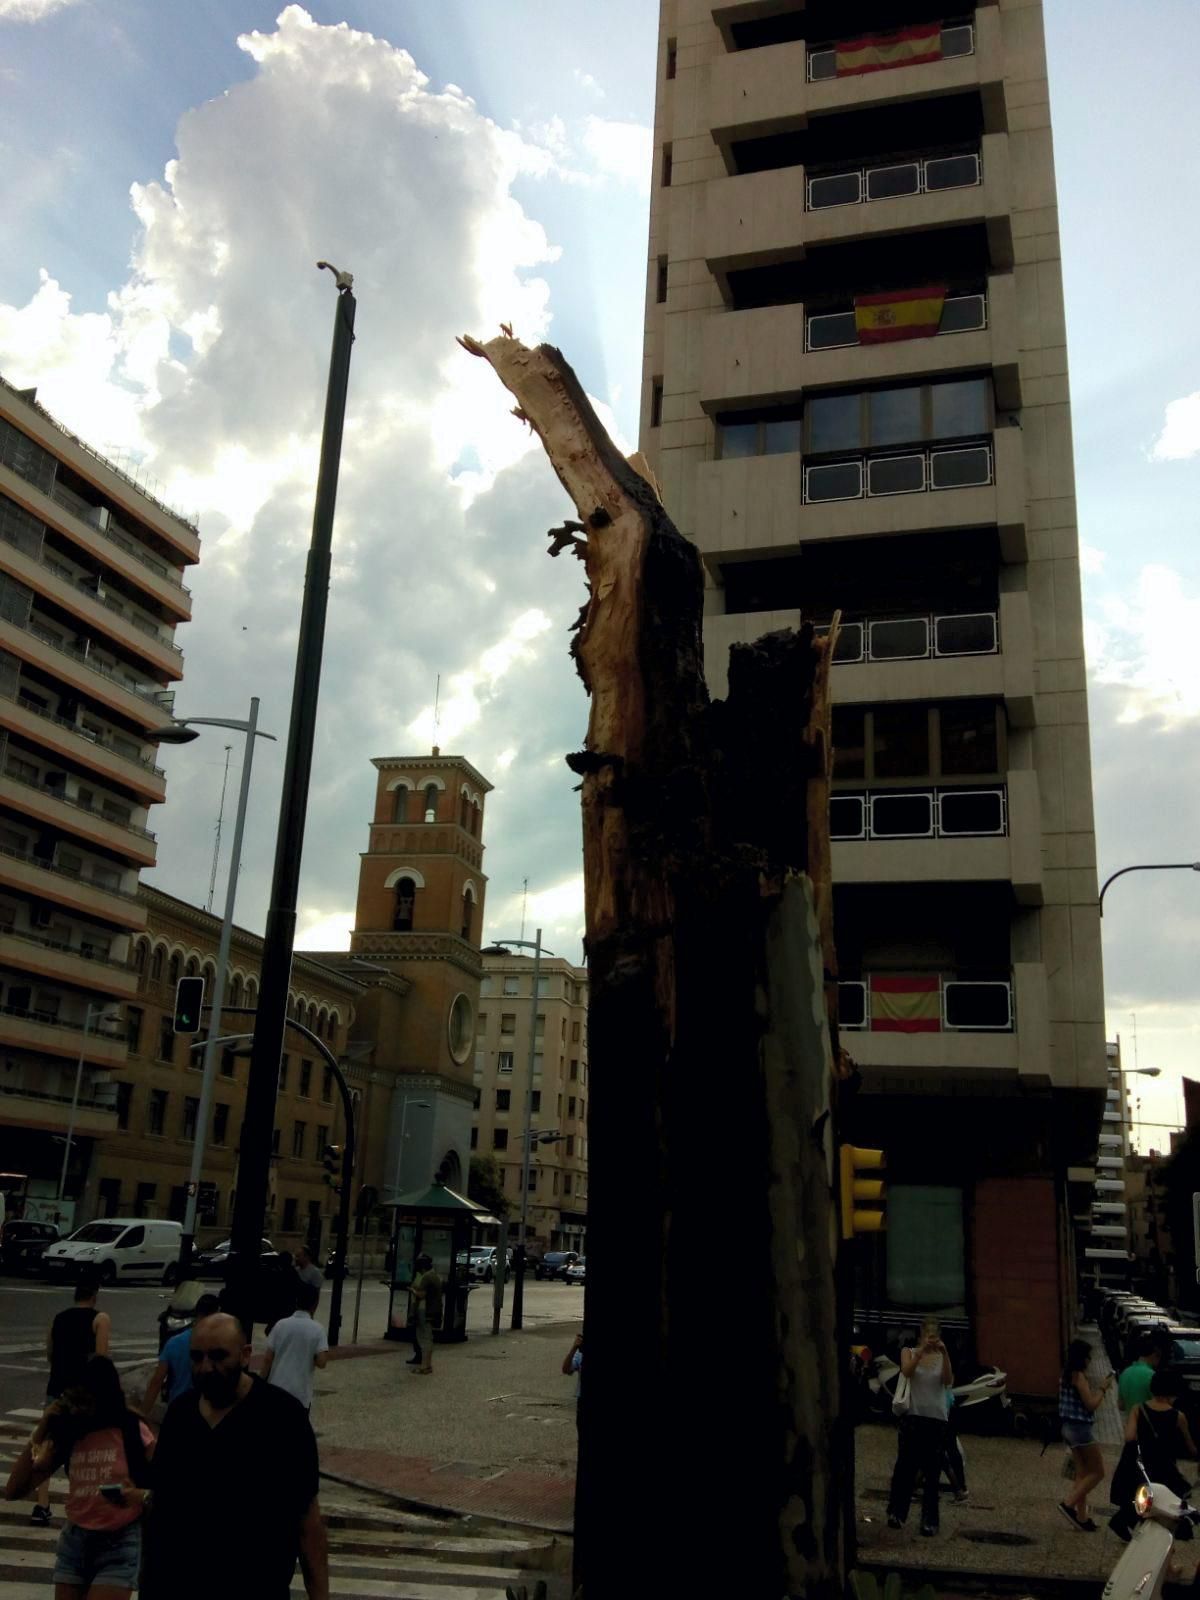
855	399
557	1204
91	592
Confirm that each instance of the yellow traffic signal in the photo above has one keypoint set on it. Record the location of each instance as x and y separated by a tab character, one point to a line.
857	1216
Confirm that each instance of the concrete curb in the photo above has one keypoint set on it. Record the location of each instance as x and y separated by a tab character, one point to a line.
477	1519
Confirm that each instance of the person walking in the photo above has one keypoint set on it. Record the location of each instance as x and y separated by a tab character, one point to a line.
1077	1404
1155	1431
174	1369
922	1443
1133	1386
235	1483
307	1270
106	1449
74	1336
427	1310
296	1346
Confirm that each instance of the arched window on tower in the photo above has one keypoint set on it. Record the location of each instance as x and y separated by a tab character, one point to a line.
400	805
173	970
464	813
476	814
468	914
431	801
406	900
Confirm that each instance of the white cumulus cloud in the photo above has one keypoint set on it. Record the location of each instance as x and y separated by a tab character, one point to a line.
31	10
1180	436
620	150
1148	644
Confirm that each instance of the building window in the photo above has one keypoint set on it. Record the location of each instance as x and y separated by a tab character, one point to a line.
511	986
571	1105
574	1072
166	1040
504	1061
656	402
566	1183
503	1099
499	1138
228	1061
110	1197
672	57
535	1102
305	1079
906	742
875	419
274	1141
156	1111
474	1138
191	1107
133	1028
431	802
508	1022
485	985
405	906
582	1110
468	915
327	1084
173	970
289	1201
139	956
322	1144
221	1128
124	1101
543	988
533	1177
177	1205
773	432
299	1135
555	1176
400	804
539	1026
925	1251
668	165
570	1144
143	1206
283	1073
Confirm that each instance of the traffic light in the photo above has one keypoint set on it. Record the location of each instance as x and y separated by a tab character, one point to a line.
857	1217
332	1162
189	1002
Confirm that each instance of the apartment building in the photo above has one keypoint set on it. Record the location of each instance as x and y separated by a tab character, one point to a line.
557	1210
856	401
91	592
143	1171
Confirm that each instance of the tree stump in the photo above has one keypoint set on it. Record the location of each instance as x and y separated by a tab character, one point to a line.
710	1454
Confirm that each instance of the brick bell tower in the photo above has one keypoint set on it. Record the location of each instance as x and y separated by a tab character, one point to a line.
420	915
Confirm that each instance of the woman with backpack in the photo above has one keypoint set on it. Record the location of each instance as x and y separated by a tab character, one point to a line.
105	1448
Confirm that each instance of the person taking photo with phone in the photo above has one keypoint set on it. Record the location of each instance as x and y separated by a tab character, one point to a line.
922	1443
106	1448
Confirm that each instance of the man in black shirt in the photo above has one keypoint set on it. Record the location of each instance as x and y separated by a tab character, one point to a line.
235	1481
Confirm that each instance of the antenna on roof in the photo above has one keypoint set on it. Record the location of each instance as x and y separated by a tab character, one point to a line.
437	696
524	904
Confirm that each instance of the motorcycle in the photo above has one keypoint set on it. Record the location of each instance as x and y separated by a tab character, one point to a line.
983	1396
1146	1560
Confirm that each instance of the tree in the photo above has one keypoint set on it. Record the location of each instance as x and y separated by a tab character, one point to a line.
485	1184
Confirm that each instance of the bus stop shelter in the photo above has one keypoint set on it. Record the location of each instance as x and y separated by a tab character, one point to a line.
437	1222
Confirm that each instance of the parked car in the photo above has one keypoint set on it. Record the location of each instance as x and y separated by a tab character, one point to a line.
213	1263
575	1272
23	1244
120	1248
554	1264
480	1261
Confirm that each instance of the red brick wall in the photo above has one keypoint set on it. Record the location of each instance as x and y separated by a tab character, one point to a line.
1015	1270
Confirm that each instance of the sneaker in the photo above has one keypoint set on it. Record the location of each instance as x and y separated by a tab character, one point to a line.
928	1530
1071	1515
40	1516
1089	1526
894	1521
960	1497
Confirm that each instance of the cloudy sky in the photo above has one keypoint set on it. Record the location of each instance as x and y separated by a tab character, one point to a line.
172	171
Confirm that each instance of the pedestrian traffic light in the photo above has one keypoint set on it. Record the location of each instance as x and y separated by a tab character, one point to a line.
331	1159
856	1216
189	1002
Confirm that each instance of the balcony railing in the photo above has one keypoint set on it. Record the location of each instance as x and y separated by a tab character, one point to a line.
967	633
79	951
919	814
101	520
888	1002
924	175
914	472
43	865
838	330
958	39
83	733
161	699
104	1101
51	1019
78	805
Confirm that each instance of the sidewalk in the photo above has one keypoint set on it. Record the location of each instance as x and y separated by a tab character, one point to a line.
490	1434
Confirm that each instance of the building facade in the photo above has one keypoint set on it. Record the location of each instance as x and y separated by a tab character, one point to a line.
856	401
143	1170
91	593
414	949
557	1205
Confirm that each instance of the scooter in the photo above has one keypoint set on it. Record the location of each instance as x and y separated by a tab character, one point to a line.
1145	1562
987	1389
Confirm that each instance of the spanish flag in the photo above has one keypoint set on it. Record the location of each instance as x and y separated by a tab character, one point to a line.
877	52
909	1004
898	314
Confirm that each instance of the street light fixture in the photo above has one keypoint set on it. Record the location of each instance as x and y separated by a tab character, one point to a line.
184	731
101	1016
1148	866
503	947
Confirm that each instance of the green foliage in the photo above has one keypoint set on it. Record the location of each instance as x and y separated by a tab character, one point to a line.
485	1184
866	1586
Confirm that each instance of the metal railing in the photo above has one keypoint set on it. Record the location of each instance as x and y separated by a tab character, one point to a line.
83	733
32	624
855	186
958	39
78	805
92	1102
112	530
919	813
65	872
965	1005
837	330
910	472
67	949
966	633
51	1019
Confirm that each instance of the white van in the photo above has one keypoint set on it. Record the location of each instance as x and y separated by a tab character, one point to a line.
120	1249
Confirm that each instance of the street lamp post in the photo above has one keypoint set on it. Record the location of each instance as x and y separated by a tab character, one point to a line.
421	1105
183	731
1147	866
98	1011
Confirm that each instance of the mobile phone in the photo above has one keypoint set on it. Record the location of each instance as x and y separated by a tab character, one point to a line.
113	1492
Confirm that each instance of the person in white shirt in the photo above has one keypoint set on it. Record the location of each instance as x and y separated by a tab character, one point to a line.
296	1346
922	1441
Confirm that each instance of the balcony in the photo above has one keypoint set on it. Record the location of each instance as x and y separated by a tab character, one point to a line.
77	744
49	958
919	471
753	506
94	1114
31	875
753	93
129	840
988	833
45	1033
759	219
953	39
30	639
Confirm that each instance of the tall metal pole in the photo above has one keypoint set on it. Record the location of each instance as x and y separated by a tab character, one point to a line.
262	1088
362	1252
518	1305
217	998
87	1024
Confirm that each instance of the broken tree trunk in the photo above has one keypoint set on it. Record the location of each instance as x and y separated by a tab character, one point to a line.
711	1458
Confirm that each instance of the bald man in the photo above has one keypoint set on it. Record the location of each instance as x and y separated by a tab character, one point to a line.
235	1484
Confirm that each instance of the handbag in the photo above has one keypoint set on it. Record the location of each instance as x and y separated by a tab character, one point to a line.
902	1399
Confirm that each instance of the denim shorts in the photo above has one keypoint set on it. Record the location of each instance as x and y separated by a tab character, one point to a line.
1077	1434
87	1555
